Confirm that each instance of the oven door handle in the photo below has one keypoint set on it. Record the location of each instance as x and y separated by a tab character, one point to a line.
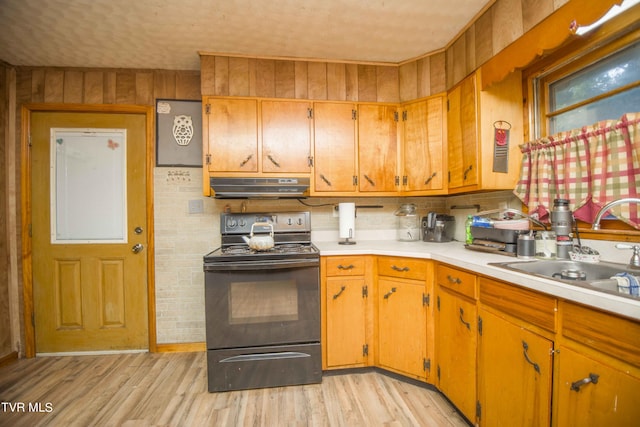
260	265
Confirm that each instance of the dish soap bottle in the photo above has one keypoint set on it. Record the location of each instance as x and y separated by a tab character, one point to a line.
467	227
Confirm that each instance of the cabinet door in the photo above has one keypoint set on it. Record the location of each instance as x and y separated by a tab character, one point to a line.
591	393
514	366
402	326
377	148
233	135
286	136
456	343
346	322
423	145
335	148
462	134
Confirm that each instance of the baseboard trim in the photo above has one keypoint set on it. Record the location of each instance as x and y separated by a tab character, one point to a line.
181	347
9	358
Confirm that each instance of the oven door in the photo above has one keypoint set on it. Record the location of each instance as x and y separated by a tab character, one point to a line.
260	303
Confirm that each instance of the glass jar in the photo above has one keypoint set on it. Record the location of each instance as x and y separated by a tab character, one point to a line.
408	223
545	245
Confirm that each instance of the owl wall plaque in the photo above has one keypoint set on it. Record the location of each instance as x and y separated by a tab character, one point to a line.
179	133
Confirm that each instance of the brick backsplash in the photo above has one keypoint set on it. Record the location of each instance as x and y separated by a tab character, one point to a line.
183	238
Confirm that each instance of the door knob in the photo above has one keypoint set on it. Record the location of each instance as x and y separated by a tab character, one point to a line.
137	248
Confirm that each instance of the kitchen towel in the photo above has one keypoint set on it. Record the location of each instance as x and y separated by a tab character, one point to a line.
347	216
627	284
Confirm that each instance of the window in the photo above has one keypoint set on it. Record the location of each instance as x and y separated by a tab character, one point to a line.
599	82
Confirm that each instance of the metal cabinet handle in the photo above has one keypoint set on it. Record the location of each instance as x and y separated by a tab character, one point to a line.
452	279
592	378
370	180
137	248
245	161
273	161
428	180
342	288
393	267
386	296
466	172
467	324
322	177
525	346
346	267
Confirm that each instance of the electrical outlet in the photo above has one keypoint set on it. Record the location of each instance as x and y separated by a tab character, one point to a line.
336	211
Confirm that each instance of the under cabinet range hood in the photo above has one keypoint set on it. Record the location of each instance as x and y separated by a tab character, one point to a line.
259	188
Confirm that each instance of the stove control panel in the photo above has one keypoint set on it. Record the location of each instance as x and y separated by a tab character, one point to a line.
282	222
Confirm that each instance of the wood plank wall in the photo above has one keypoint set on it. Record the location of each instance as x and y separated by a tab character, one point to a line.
500	25
5	321
316	80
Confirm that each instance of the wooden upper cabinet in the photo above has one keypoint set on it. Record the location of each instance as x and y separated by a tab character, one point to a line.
233	134
475	161
286	136
462	134
377	148
423	165
335	147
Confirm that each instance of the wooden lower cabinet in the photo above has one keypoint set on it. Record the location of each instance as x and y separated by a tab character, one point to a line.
347	315
515	369
456	342
346	307
590	392
402	327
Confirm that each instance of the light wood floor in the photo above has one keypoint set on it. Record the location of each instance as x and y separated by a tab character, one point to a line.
170	389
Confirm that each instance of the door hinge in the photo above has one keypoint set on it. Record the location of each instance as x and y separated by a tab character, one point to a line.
355	180
480	325
478	409
365	291
405	180
438	302
354	114
426	365
396	116
30	144
30	231
397	180
438	372
208	159
447	105
449	177
310	113
426	299
207	109
365	350
310	161
404	115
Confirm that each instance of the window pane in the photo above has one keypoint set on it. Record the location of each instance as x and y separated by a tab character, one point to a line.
88	186
606	109
602	77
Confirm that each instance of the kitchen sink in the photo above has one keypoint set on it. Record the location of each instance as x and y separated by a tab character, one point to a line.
585	274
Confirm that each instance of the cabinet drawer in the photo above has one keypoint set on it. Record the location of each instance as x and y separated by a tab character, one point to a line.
457	280
407	268
605	332
532	307
345	266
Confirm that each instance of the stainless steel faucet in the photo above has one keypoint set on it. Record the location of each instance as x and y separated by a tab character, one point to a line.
605	208
634	262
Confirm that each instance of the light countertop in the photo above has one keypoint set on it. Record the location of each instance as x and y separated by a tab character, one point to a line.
455	254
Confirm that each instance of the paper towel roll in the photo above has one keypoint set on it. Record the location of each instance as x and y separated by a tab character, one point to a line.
347	216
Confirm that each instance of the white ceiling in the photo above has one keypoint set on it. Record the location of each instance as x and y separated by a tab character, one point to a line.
160	34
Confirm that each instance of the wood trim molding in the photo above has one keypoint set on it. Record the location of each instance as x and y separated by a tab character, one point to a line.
7	359
27	270
181	347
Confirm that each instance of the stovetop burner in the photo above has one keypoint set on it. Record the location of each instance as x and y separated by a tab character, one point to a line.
284	248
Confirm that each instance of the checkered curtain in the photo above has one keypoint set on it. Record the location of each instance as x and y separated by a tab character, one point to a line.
590	167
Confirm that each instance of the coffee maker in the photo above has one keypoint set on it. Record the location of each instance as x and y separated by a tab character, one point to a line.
438	227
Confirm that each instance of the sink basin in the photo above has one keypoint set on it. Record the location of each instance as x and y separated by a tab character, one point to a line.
591	275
